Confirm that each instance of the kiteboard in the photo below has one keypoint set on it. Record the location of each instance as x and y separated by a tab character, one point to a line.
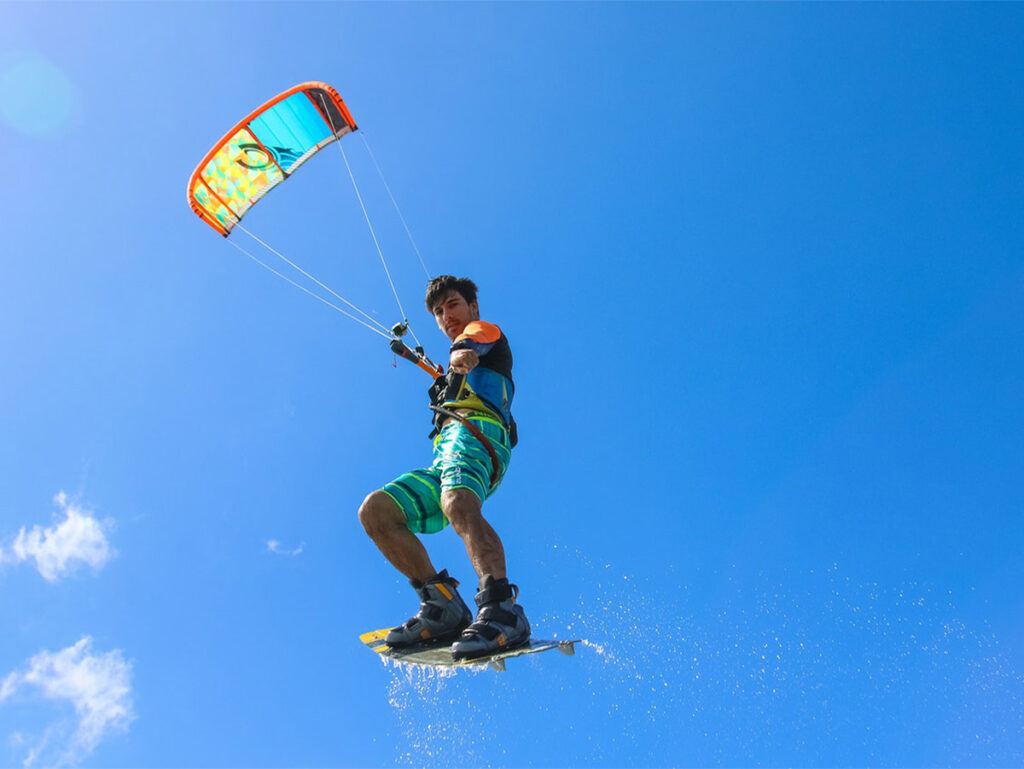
441	656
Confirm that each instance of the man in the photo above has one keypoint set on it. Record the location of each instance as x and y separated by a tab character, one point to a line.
472	449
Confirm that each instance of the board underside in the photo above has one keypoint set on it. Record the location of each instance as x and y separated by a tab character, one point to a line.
441	656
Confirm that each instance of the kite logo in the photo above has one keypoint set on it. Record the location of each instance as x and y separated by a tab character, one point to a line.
253	157
257	158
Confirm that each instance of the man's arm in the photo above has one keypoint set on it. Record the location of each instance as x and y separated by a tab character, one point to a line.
476	339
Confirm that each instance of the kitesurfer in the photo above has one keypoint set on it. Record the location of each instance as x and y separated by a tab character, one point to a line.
473	437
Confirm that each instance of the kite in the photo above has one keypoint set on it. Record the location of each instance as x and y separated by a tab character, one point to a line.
260	152
263	150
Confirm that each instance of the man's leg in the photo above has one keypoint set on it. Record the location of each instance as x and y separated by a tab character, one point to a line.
385	523
463	510
500	622
443	614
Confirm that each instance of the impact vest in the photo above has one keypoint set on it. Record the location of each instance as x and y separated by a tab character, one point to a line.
488	388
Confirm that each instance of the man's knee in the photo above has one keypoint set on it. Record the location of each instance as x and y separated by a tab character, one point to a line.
379	512
461	507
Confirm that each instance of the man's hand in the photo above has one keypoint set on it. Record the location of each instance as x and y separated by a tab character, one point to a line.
463	361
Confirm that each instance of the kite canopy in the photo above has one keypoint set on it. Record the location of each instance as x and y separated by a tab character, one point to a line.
263	150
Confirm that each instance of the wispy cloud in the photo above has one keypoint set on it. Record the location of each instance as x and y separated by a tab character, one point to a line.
75	540
274	547
98	686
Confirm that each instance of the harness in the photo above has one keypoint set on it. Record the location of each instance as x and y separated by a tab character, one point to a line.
437	391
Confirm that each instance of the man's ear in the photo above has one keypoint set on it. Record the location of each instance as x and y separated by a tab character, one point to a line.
476	309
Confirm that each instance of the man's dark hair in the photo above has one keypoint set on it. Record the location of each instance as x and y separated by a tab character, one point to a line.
438	288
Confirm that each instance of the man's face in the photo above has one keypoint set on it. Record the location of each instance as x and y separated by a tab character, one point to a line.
453	314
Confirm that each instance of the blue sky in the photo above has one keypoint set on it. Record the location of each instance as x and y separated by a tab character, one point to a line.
762	269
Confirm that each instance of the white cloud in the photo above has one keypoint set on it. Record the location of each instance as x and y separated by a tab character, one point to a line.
98	686
66	545
275	547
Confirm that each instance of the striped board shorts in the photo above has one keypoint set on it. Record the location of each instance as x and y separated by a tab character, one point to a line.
460	462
